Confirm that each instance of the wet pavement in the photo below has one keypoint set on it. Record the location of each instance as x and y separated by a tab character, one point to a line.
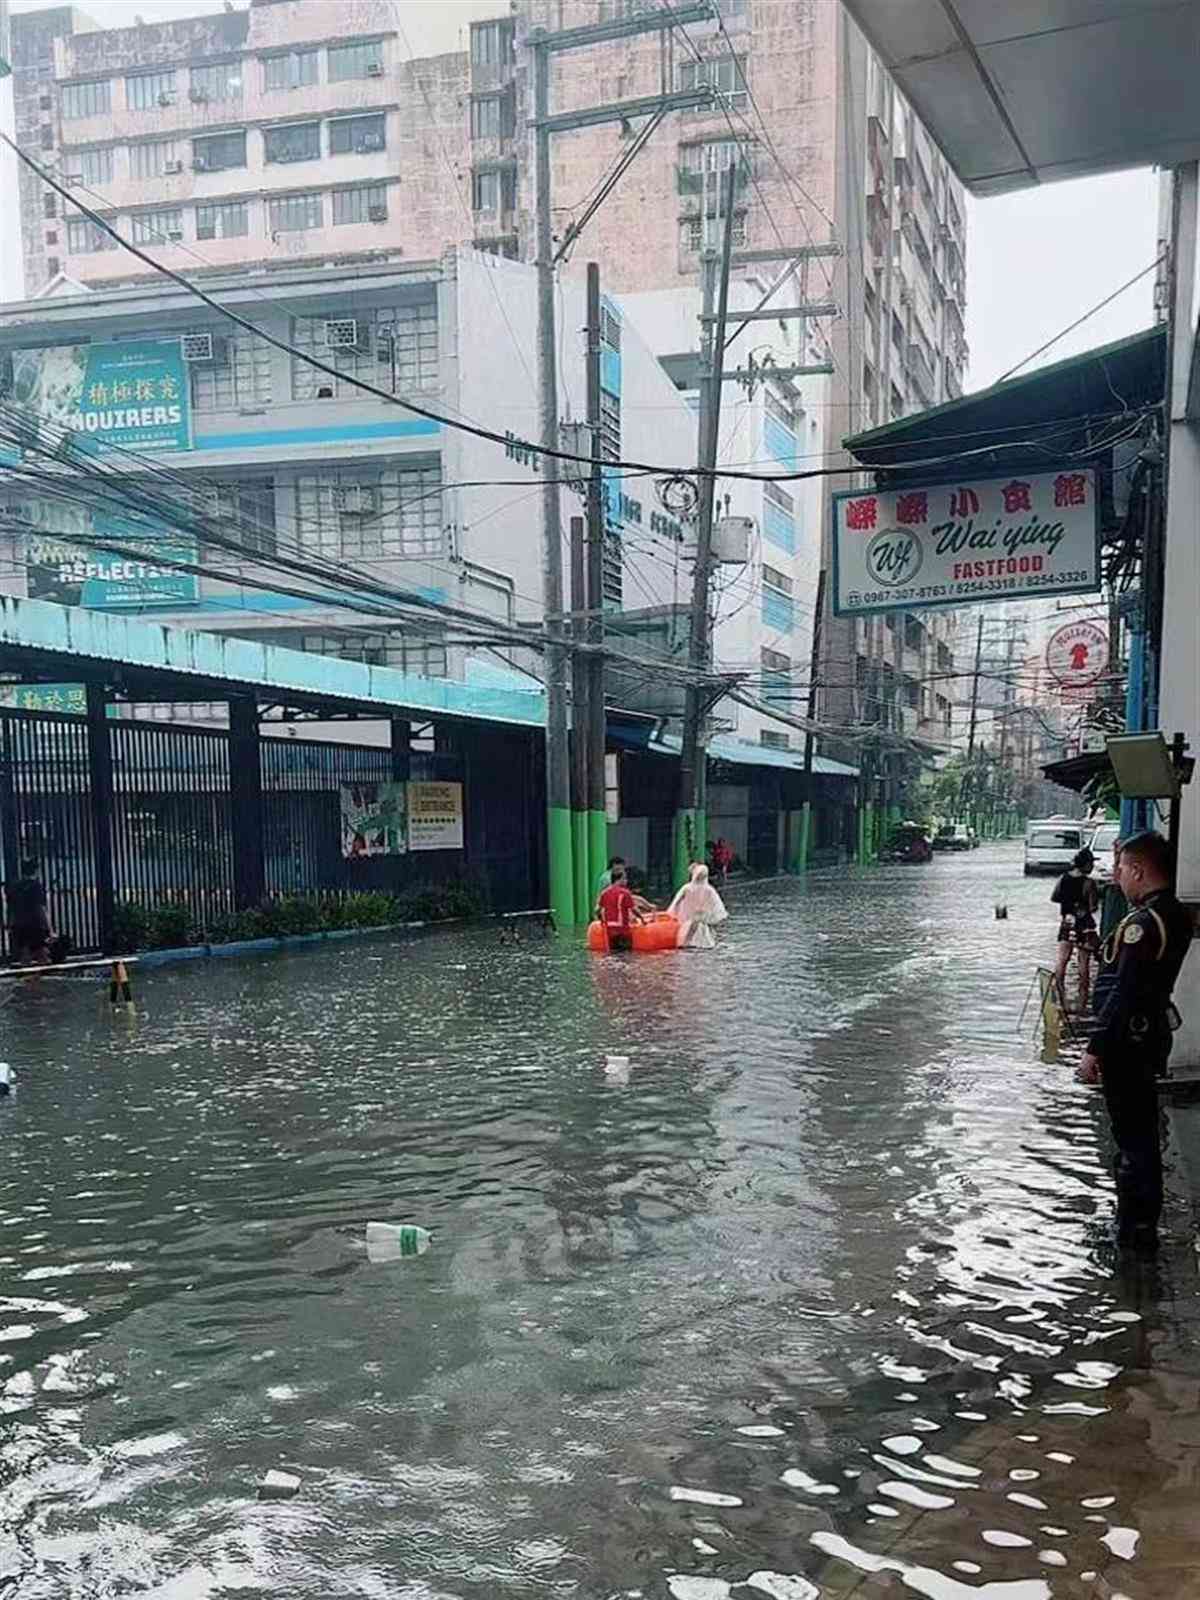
812	1300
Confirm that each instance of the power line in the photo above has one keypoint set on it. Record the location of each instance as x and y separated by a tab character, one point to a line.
1099	306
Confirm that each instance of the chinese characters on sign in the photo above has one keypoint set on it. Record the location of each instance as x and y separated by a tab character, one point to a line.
955	543
133	394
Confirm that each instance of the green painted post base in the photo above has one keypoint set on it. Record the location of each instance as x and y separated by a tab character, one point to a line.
687	845
559	853
597	850
579	866
801	858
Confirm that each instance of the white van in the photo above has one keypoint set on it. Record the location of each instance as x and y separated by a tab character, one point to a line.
1101	845
1051	844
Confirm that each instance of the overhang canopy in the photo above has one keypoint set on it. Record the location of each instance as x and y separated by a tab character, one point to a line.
1022	92
1019	425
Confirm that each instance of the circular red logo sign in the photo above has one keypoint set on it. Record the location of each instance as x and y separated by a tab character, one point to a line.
1077	654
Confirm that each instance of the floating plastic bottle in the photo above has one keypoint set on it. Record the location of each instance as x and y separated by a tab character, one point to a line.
396	1241
278	1486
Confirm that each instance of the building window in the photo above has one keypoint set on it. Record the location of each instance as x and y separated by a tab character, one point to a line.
779	497
157	227
778	522
357	135
53	266
371	514
49	205
229	219
93	166
86	100
491	43
396	349
708	159
494	190
492	117
84	237
290	71
248	504
774	741
355	61
154	157
366	204
47	137
421	655
294	213
776	677
777	580
693	232
725	74
146	90
51	235
219	152
299	141
222	81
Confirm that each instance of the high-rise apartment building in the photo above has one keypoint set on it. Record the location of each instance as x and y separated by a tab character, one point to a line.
297	133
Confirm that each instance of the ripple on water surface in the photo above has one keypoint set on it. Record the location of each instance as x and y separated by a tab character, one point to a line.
818	1275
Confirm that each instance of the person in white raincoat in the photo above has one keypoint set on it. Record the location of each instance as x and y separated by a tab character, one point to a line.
699	908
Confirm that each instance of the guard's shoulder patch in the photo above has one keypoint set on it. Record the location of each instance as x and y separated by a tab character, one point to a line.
1133	933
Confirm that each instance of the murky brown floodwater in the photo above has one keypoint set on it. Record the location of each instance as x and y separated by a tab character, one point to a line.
815	1303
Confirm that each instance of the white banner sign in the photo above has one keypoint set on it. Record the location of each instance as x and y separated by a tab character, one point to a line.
435	816
953	544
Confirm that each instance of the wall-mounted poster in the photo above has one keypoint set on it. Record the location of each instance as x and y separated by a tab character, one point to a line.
435	816
133	394
374	820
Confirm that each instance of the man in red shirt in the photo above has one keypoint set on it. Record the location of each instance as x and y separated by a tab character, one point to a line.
618	913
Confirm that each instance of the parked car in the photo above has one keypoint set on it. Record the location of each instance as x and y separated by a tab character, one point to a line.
909	843
953	836
1101	845
1051	844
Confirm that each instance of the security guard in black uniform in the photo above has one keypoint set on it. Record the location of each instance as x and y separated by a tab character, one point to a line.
1132	1038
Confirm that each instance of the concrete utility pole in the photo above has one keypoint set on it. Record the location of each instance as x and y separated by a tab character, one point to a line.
597	818
689	818
542	46
814	668
558	783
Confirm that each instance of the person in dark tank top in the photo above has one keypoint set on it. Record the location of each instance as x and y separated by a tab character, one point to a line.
1078	900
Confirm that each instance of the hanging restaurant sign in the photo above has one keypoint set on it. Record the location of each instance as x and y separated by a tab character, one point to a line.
956	544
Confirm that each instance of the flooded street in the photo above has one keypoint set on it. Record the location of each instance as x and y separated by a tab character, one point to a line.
813	1300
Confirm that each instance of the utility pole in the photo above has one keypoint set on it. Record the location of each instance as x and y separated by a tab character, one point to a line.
558	788
597	819
814	668
542	46
969	775
689	818
580	694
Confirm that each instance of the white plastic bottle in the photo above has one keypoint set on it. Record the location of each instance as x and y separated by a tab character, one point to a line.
396	1241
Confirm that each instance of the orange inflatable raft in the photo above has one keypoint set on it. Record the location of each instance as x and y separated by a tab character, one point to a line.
648	937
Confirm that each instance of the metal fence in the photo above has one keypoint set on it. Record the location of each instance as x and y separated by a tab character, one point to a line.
174	832
46	814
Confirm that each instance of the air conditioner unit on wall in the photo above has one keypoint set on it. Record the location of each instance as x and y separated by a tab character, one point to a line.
377	213
170	168
345	333
205	347
374	69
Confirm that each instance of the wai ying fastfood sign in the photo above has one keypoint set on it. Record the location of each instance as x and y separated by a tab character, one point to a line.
952	544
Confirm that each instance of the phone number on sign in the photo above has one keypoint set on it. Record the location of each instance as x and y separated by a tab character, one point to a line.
897	599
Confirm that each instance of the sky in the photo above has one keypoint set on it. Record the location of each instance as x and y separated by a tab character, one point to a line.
1036	260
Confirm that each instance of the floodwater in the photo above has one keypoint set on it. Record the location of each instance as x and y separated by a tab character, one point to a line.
812	1299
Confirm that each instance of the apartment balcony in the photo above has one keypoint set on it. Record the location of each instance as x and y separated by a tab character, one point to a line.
921	372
